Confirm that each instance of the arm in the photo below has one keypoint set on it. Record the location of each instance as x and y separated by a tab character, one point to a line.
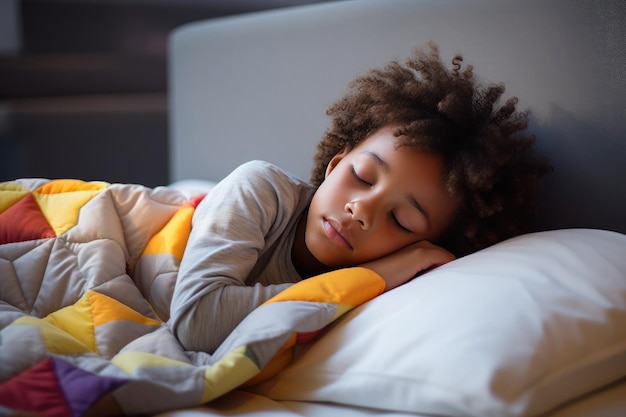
406	263
229	231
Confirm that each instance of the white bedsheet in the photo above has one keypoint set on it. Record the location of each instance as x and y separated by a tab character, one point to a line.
609	402
237	403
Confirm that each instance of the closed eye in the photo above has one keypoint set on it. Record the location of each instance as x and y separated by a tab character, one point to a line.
359	179
397	223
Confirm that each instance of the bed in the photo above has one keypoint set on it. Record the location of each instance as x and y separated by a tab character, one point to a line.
533	326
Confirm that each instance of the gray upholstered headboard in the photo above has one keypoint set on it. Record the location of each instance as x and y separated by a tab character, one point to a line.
257	86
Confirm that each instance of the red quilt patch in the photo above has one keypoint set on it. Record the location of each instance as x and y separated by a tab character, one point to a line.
24	221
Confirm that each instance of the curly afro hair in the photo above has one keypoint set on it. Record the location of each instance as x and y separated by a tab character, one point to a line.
490	163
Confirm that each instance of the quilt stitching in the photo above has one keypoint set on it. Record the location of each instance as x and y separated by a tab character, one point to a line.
98	325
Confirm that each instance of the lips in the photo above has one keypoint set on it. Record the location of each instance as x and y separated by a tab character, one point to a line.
334	232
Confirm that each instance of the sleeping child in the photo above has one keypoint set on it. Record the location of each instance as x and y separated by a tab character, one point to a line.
421	164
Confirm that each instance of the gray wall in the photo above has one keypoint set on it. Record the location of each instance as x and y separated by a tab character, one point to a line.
83	85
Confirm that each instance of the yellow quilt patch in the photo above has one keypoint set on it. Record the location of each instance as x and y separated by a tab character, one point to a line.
230	372
10	193
174	235
76	320
55	339
106	309
61	210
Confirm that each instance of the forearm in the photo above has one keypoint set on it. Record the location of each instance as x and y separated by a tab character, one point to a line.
211	296
224	257
201	323
399	267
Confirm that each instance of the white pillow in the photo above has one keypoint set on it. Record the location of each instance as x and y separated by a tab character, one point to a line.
513	330
193	187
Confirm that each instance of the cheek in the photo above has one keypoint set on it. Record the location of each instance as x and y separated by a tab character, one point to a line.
385	241
328	194
317	203
389	240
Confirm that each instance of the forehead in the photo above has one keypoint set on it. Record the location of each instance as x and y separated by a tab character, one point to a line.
403	162
384	147
390	136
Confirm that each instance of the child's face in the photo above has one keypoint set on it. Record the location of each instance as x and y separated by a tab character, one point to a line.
376	199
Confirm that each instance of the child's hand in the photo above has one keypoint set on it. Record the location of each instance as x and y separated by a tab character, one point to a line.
403	265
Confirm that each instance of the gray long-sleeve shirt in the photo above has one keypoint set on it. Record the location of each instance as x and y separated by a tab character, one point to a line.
238	254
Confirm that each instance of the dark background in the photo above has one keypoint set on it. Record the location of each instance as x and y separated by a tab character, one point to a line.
85	94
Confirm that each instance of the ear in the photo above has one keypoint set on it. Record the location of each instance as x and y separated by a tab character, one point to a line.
334	161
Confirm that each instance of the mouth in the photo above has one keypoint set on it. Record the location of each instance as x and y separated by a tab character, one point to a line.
335	234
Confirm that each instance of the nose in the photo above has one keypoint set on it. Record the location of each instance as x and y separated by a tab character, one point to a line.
361	211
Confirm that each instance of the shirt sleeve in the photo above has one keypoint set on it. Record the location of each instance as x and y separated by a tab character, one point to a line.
229	231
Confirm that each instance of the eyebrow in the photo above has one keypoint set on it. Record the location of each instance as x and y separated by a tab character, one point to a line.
379	161
385	167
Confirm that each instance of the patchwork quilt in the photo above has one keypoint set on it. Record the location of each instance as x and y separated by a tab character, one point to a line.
87	271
